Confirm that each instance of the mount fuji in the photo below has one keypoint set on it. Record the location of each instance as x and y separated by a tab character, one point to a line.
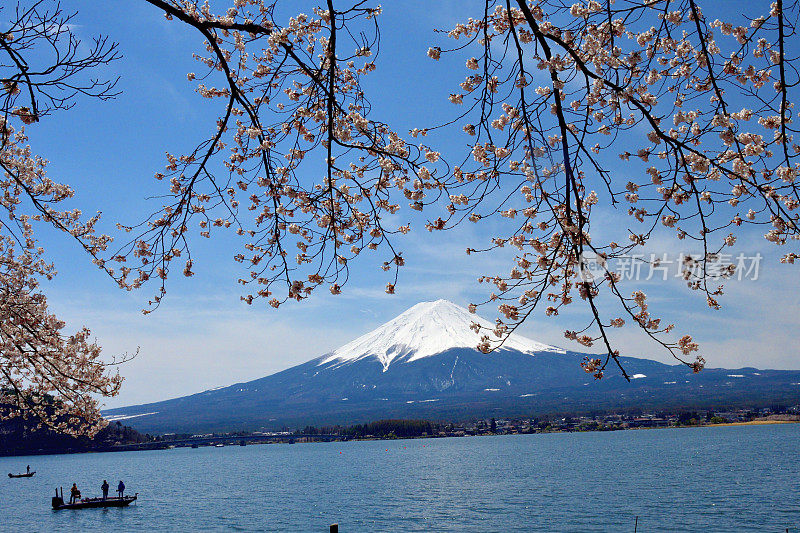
425	330
424	364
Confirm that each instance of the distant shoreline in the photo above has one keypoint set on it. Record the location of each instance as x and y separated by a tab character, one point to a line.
754	423
232	440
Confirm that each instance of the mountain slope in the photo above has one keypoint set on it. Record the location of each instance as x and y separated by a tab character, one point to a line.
424	364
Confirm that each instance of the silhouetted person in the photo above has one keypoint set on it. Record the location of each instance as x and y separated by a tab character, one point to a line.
121	489
74	493
29	469
104	488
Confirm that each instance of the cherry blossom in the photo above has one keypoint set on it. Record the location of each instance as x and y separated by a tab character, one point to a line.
46	374
696	112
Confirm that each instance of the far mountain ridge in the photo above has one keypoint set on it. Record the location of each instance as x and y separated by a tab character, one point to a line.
424	364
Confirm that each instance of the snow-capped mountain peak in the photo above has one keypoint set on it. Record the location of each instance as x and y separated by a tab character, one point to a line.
426	329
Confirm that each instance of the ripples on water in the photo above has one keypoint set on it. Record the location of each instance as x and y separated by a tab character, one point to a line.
705	479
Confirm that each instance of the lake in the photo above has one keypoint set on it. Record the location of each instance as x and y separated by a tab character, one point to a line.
712	479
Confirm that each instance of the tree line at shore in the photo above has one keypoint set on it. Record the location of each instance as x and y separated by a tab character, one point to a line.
20	436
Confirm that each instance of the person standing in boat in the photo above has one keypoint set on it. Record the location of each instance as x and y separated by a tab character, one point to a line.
121	489
29	469
104	487
74	493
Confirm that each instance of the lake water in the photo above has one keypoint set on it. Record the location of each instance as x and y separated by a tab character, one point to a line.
704	479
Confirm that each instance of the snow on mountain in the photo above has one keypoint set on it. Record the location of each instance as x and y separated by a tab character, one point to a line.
427	329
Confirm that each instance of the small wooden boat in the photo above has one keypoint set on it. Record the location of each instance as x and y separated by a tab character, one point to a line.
93	503
27	474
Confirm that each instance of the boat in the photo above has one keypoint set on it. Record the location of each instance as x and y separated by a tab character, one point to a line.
27	474
92	503
219	445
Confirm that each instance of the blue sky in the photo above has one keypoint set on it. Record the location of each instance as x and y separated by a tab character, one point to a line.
202	336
